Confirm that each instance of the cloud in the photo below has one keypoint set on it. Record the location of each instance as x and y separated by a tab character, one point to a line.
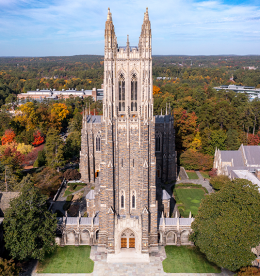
196	24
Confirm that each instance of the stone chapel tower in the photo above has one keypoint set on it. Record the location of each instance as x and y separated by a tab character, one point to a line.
127	152
128	184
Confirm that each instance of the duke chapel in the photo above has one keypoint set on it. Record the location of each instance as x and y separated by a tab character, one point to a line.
127	153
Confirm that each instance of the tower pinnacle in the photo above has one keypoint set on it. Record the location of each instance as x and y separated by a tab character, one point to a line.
146	16
109	15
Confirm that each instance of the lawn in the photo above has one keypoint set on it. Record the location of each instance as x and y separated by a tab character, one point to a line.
205	174
73	188
188	200
67	259
192	175
187	259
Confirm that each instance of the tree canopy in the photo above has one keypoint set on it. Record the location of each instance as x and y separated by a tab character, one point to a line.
29	226
227	225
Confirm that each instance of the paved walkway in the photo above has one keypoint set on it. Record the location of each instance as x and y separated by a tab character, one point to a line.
154	268
201	181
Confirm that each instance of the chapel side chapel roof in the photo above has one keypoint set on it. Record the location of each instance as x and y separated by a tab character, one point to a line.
236	155
173	221
252	154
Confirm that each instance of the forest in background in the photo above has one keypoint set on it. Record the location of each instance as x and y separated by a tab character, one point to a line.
204	118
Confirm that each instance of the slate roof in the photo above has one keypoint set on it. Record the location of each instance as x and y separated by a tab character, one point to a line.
236	155
90	195
165	195
96	119
160	119
252	154
173	221
72	220
85	221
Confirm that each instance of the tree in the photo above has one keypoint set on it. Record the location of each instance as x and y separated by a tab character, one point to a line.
227	225
59	112
8	268
72	174
41	159
218	182
232	142
38	138
8	137
29	226
73	144
194	160
54	149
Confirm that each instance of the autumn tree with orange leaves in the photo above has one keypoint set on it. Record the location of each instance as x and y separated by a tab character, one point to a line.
8	137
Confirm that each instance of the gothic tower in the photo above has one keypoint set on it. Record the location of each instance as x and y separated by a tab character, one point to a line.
128	184
127	153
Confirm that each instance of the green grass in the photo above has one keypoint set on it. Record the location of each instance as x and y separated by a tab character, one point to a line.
187	259
67	259
78	187
205	174
192	175
190	199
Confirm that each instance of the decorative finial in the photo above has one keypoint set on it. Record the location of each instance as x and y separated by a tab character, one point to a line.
146	16
109	18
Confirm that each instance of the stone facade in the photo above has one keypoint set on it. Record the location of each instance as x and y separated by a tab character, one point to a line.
127	153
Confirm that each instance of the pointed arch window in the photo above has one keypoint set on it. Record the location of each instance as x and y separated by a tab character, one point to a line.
121	88
122	200
133	200
134	93
158	141
98	142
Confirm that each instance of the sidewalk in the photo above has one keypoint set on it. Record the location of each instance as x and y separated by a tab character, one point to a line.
201	181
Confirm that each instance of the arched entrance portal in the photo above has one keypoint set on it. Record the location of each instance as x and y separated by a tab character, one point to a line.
128	239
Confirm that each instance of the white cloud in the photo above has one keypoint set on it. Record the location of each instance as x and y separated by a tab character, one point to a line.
174	23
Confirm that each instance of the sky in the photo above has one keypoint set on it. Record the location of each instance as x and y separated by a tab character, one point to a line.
179	27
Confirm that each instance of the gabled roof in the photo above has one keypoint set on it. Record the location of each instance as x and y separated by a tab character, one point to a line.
165	195
236	155
252	154
90	195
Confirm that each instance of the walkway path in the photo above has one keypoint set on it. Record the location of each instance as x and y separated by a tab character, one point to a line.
154	268
201	181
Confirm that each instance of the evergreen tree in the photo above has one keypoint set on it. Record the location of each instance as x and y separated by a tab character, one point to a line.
54	149
29	226
232	142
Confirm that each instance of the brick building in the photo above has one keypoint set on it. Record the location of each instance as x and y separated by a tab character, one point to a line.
127	153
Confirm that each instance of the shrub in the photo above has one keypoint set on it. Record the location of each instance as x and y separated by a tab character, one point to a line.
72	174
194	160
219	181
41	159
8	268
249	271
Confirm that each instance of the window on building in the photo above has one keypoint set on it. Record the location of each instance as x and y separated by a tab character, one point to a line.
98	142
157	141
121	87
133	200
122	200
134	93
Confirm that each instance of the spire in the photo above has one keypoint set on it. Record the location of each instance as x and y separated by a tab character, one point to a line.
146	16
109	15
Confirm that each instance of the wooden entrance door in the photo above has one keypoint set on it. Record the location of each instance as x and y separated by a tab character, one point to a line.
123	242
131	242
